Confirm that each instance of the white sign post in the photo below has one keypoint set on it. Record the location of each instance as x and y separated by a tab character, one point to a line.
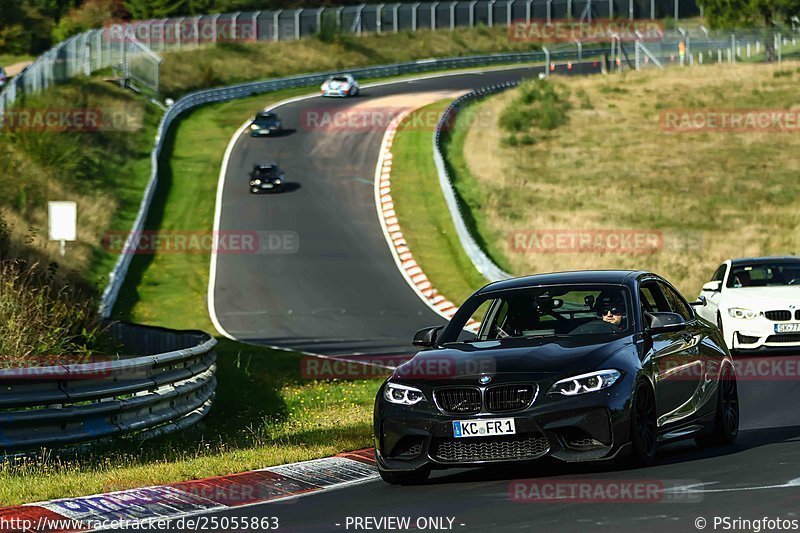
62	223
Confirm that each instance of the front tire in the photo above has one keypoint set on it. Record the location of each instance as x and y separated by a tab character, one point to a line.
412	477
726	421
643	425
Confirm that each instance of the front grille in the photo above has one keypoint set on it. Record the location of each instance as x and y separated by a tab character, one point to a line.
461	400
797	315
475	449
503	398
746	339
791	337
778	316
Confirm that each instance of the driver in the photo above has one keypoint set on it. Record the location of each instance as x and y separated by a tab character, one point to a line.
611	310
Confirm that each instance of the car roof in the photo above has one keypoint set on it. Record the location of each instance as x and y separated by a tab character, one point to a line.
266	165
266	114
765	260
621	277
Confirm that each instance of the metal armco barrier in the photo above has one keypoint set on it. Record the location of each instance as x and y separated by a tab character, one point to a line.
198	98
53	406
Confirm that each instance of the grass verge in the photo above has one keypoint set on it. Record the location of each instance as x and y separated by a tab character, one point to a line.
422	211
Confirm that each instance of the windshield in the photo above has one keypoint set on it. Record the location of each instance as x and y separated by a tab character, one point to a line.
546	311
340	79
265	119
764	275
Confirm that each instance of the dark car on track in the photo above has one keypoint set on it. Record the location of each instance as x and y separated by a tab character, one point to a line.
577	366
266	177
266	123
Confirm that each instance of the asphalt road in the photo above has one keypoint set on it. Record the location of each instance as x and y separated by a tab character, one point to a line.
340	293
758	477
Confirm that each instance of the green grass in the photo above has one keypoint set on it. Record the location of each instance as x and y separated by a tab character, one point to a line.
12	59
423	214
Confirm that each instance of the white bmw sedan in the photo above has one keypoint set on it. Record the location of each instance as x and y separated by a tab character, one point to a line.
755	302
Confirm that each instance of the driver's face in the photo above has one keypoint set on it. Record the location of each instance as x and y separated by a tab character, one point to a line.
612	316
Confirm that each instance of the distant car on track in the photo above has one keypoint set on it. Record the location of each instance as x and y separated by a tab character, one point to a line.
340	85
577	366
266	123
755	302
266	178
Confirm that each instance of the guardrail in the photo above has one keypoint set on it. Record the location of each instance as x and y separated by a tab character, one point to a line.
198	98
51	406
479	259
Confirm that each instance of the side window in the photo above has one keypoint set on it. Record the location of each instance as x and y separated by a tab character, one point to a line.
652	294
677	303
719	275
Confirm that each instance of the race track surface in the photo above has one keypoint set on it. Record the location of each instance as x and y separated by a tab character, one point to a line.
340	293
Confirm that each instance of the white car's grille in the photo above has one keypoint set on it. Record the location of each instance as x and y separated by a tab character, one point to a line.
778	316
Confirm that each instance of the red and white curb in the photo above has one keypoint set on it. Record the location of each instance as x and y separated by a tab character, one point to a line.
409	268
188	498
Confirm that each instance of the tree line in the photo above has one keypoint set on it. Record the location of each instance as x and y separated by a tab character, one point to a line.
32	26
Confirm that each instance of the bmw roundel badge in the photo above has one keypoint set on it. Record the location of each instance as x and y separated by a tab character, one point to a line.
483	380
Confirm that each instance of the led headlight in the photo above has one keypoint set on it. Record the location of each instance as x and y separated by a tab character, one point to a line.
739	312
277	180
593	381
253	126
257	182
402	394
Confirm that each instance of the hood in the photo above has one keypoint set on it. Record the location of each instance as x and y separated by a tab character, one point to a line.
510	359
764	298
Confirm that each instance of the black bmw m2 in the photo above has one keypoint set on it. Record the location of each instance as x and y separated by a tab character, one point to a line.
578	366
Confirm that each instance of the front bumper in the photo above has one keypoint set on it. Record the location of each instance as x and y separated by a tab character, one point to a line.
590	427
264	131
264	188
759	334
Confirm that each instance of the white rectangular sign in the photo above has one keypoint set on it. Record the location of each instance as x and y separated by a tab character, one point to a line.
62	221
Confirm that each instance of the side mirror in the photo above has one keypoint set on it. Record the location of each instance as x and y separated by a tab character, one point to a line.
713	286
426	337
701	301
665	322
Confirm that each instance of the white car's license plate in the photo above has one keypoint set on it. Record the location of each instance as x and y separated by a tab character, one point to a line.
483	428
787	328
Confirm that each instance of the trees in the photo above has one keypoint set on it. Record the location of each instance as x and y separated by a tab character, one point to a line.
738	13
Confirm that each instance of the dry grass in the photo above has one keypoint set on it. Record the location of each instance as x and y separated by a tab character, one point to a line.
612	166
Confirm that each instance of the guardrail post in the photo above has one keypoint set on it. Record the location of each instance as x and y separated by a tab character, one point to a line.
580	50
546	61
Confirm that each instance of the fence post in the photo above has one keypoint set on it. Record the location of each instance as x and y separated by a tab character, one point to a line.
675	10
395	11
297	13
234	20
733	47
491	12
414	7
569	9
453	15
196	29
472	13
276	34
528	11
359	19
580	50
214	28
339	17
630	9
379	18
549	11
434	5
652	9
546	61
254	22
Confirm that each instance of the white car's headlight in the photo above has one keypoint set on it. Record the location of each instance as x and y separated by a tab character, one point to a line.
593	381
739	312
403	394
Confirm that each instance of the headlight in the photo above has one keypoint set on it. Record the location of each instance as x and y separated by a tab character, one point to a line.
593	381
402	394
253	126
739	312
256	182
277	180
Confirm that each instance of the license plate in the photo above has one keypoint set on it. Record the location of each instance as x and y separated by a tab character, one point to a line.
787	328
483	428
267	185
